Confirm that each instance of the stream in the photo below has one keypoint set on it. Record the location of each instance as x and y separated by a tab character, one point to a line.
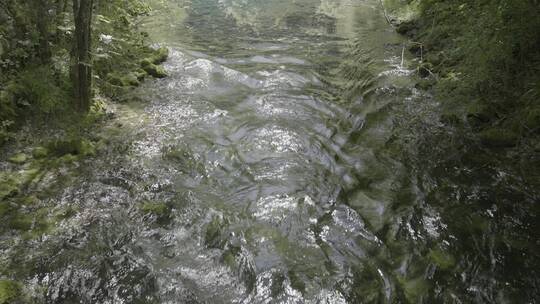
259	171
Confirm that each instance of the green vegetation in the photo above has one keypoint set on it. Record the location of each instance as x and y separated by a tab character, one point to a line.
483	60
10	292
58	58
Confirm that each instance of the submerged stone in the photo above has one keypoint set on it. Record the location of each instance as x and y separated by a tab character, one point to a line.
131	79
10	292
153	70
40	152
19	159
160	55
76	146
498	138
443	260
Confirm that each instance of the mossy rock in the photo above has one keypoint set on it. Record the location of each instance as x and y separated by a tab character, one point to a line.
140	74
407	27
76	146
532	120
425	84
128	80
10	292
160	55
153	70
22	222
414	289
18	159
443	260
40	152
212	236
478	113
498	138
10	184
424	69
159	209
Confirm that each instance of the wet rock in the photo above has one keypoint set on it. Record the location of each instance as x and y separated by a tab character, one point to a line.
414	289
425	84
478	114
19	159
153	69
212	237
443	260
40	152
160	55
409	28
498	138
76	146
161	211
9	185
131	79
10	292
424	70
532	120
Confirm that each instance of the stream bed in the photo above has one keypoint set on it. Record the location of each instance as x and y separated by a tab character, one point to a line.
259	171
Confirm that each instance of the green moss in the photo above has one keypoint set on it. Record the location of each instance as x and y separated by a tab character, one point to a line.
75	146
9	184
40	152
130	79
161	211
296	281
153	70
532	119
160	55
212	236
10	292
21	222
498	138
414	289
5	208
19	158
443	260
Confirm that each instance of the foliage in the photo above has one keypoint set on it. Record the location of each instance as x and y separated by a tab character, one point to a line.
486	53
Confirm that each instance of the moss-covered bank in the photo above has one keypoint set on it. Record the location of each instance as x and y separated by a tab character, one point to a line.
482	59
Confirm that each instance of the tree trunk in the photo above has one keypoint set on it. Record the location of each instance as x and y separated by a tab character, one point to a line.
81	60
42	23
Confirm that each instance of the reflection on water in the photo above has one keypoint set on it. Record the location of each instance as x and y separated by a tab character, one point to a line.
257	172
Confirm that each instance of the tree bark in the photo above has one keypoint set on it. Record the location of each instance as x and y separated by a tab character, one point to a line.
81	58
42	23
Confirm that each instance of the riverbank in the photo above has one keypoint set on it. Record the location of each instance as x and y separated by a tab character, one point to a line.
474	149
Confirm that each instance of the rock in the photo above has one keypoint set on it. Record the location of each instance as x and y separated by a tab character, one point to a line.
424	70
153	70
532	120
160	210
19	159
443	260
10	292
425	84
40	152
478	113
407	28
140	74
498	138
160	55
76	146
128	80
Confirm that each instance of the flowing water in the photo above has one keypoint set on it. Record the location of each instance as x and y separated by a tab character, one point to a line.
259	171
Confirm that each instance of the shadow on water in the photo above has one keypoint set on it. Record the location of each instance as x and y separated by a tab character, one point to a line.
269	168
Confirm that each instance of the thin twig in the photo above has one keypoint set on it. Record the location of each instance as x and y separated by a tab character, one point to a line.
385	14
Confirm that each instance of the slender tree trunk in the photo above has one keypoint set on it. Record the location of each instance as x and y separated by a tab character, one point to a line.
42	23
81	60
